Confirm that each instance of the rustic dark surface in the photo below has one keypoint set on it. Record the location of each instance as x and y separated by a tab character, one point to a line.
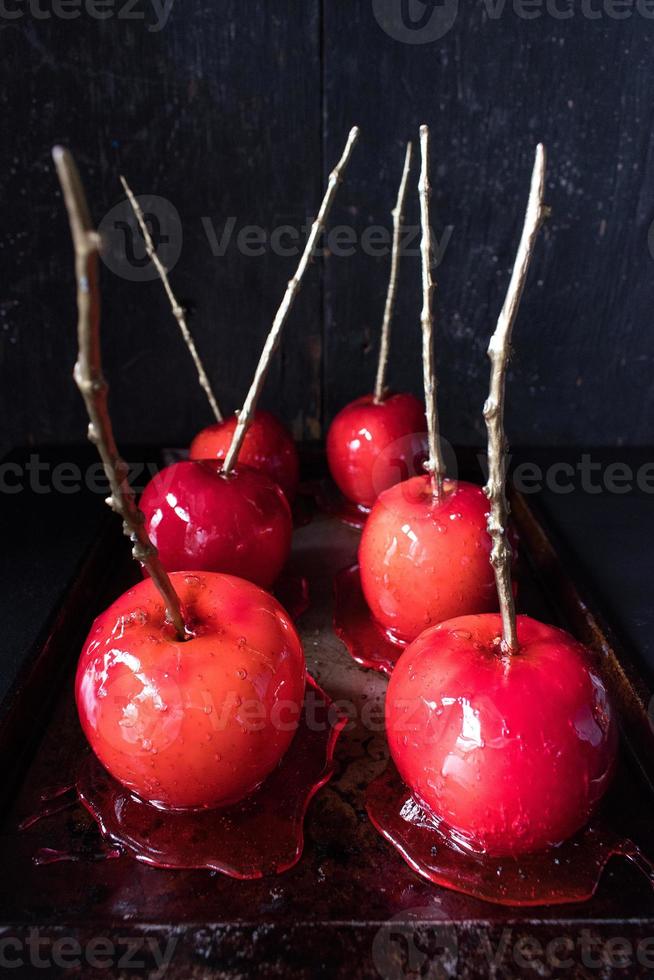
237	110
350	908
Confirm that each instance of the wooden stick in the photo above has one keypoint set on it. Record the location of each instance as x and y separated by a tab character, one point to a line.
92	385
177	310
246	414
398	217
498	351
435	465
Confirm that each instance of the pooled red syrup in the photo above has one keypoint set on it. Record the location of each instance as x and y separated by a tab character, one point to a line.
367	642
558	875
260	835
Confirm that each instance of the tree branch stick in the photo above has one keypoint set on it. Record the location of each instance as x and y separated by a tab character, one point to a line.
177	310
398	218
435	465
93	387
246	414
498	351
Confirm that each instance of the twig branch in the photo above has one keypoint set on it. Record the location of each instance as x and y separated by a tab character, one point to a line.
498	351
435	465
246	414
177	310
398	217
91	383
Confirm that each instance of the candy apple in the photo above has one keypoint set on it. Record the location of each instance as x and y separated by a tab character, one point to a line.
201	518
268	446
424	560
199	722
511	753
372	445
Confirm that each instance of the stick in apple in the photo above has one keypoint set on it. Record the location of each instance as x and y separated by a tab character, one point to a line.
93	387
498	352
398	217
435	465
177	310
246	414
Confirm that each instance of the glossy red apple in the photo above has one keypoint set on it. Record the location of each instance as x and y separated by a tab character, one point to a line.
199	723
511	753
268	446
199	518
373	445
423	561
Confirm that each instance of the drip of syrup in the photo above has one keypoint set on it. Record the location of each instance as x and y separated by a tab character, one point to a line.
260	835
51	801
51	855
559	875
367	642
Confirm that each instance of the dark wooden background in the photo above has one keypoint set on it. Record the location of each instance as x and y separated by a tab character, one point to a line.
238	110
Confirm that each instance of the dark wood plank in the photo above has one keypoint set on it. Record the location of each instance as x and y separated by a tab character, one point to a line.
218	113
490	87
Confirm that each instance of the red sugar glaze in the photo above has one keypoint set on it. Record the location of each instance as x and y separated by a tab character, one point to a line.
366	641
261	835
557	875
199	723
371	446
268	446
423	562
511	754
200	519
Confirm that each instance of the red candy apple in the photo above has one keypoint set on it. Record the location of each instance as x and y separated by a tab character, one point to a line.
268	446
198	723
512	753
423	560
371	445
201	518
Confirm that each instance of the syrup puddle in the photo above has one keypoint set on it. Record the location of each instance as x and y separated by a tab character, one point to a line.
261	835
367	642
559	875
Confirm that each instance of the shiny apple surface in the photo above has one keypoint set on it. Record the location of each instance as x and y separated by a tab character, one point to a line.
198	723
424	561
511	754
373	445
201	519
268	446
